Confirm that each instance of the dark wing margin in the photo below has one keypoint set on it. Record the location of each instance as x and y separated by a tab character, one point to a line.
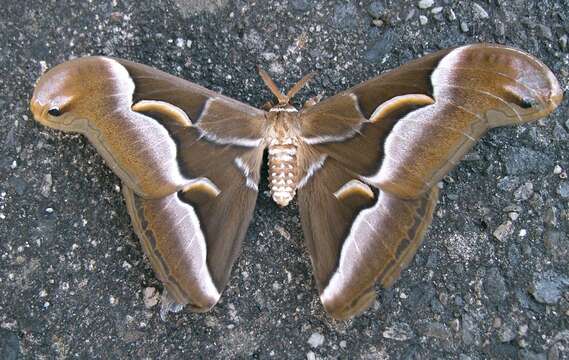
399	134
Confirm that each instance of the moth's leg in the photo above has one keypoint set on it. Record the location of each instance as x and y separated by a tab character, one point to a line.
313	101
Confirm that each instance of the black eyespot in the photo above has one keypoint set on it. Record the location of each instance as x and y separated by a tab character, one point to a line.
526	103
54	111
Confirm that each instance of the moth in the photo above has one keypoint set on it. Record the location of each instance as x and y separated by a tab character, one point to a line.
364	163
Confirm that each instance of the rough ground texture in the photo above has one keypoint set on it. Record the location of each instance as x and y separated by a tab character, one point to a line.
490	281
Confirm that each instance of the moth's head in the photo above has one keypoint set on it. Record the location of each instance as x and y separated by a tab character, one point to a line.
284	101
74	91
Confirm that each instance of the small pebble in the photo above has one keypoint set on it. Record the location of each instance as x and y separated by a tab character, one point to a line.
436	330
455	325
376	9
451	16
45	188
423	20
563	189
315	340
283	232
506	334
398	331
503	231
523	330
524	192
151	297
563	42
378	22
497	323
479	11
547	287
425	4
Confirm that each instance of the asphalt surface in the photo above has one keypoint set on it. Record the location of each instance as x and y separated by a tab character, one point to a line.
490	281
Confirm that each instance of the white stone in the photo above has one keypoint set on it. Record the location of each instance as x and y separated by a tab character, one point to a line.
315	340
425	4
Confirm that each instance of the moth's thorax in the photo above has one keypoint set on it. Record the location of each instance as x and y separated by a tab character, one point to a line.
282	139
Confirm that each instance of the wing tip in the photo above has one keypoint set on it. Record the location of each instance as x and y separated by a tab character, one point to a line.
338	307
169	304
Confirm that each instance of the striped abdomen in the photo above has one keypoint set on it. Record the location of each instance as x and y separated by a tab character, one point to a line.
283	170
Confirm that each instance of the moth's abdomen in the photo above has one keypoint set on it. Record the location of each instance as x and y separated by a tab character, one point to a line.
283	170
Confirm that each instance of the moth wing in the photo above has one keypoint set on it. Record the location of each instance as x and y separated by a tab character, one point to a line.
221	152
188	158
399	134
472	89
193	237
357	235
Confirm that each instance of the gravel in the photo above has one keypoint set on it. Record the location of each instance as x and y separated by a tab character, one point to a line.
73	278
495	286
547	287
521	160
399	332
9	345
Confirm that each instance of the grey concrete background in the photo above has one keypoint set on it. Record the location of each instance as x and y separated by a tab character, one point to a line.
490	281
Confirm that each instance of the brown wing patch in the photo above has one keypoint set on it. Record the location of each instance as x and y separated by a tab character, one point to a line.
362	153
326	220
153	84
382	241
333	121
